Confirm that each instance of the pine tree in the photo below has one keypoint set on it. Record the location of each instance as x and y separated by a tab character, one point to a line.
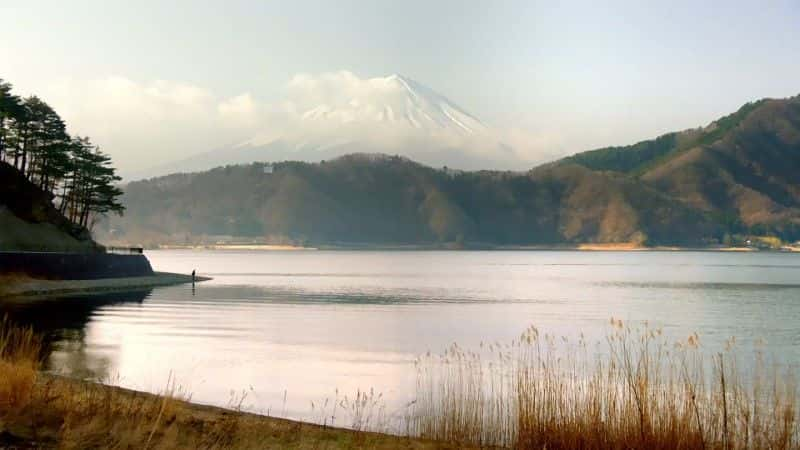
47	144
10	111
92	190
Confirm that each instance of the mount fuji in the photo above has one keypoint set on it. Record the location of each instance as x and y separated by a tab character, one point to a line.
393	115
398	101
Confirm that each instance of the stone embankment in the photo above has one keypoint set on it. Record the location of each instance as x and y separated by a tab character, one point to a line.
24	287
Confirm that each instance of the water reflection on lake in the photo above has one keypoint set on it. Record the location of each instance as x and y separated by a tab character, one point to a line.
300	325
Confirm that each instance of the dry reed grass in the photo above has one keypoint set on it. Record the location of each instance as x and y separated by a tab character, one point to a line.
19	362
632	392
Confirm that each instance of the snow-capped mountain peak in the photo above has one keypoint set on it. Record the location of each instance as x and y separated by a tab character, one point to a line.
399	102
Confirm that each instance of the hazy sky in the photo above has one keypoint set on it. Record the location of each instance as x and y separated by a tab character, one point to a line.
153	81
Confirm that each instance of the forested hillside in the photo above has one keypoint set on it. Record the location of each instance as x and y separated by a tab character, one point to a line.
749	175
383	199
743	169
734	178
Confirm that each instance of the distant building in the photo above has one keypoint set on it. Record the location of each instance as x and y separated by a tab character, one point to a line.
268	168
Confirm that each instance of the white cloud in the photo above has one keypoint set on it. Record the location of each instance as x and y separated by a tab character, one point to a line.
239	111
332	88
142	124
535	146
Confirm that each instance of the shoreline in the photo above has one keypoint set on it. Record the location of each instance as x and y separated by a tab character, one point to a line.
12	287
260	247
615	247
176	421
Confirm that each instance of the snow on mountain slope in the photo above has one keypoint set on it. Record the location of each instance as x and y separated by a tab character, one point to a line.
382	111
400	101
393	114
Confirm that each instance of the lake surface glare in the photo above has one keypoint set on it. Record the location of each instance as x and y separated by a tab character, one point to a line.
285	329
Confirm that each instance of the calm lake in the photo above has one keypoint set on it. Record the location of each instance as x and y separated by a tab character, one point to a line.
285	329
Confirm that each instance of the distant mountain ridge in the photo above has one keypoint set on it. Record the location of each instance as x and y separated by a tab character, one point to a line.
708	186
633	159
366	199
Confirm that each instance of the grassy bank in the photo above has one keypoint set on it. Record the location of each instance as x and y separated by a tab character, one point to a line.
41	411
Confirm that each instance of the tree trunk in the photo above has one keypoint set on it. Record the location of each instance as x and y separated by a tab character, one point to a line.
63	206
43	175
2	136
24	149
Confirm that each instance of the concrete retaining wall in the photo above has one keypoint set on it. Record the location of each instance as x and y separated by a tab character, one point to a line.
74	266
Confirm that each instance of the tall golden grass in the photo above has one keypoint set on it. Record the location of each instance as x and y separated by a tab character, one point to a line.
632	391
19	363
